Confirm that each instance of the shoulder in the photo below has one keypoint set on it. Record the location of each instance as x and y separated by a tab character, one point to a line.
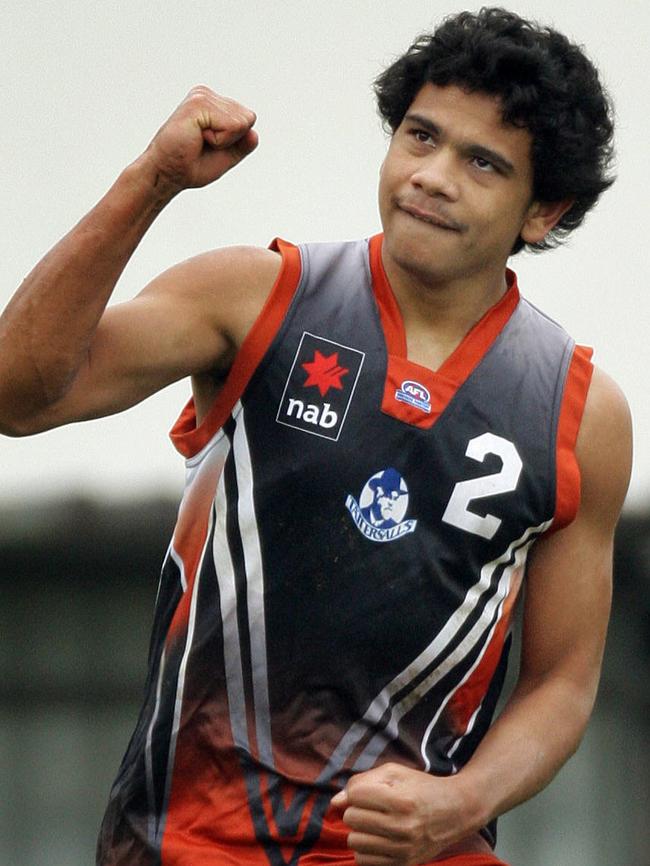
237	268
226	287
604	449
238	261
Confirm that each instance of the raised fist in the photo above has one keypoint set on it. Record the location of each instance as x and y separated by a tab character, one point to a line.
206	136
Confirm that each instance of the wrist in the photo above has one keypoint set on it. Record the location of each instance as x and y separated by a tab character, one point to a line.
121	218
149	184
474	809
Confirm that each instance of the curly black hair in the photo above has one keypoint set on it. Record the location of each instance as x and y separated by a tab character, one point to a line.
545	84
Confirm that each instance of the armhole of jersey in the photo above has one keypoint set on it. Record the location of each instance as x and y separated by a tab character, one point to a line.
189	439
567	492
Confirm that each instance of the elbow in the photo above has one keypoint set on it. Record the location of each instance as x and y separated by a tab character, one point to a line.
25	412
16	429
17	425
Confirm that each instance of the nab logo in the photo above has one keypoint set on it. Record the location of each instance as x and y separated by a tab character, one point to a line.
321	369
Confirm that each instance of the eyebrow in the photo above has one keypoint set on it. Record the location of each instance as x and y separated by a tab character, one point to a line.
497	159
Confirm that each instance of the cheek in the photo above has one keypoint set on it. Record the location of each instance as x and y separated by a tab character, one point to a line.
384	181
383	197
504	215
392	171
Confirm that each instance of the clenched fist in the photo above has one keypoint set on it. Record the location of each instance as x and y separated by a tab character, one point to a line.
206	136
402	817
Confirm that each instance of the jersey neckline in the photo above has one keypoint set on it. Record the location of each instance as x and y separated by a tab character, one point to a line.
460	363
414	393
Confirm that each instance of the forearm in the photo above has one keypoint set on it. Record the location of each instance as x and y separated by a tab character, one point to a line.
565	616
47	328
409	816
538	731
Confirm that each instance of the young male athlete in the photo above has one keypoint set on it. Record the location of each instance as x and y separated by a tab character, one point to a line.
323	675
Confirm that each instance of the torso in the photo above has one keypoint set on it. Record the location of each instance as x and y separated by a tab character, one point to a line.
268	682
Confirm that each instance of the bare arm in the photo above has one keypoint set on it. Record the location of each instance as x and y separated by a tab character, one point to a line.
404	817
565	621
62	356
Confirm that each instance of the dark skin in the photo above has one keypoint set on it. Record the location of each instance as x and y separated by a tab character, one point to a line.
450	219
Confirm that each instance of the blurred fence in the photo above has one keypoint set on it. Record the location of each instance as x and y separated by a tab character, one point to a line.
78	586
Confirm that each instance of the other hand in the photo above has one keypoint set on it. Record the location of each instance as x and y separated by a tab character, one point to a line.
206	136
401	817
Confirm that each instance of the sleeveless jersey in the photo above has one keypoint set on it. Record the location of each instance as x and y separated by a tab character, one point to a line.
349	548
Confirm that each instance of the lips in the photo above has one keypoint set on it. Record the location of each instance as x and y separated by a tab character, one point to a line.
431	217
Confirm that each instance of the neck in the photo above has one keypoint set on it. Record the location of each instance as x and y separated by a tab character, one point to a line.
446	308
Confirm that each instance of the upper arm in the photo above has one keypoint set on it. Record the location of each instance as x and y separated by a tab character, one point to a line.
569	577
189	320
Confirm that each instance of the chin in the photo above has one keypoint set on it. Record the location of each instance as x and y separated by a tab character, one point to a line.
427	271
417	257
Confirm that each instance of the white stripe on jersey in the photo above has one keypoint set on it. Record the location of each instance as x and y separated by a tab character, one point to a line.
378	743
181	567
473	636
231	639
148	757
178	705
254	590
372	718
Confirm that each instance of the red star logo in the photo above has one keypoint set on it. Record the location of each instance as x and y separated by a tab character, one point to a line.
324	372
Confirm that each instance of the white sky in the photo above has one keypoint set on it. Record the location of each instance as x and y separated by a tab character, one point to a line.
83	87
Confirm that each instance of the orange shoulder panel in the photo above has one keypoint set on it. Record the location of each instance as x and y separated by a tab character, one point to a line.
567	498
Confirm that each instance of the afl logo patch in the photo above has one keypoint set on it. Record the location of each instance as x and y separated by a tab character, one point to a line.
379	514
320	386
414	394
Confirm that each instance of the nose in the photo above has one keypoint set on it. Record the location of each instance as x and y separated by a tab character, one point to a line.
436	174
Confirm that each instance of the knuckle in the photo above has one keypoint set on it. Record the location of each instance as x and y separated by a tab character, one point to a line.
353	783
411	828
198	93
201	88
409	802
245	118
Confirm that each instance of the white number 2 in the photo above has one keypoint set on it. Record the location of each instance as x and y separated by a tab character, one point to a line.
457	512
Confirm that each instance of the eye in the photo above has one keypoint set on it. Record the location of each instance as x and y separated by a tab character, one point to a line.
421	135
483	164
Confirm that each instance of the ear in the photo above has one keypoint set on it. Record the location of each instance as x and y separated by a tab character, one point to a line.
541	217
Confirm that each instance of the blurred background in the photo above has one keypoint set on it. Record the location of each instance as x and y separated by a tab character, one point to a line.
86	511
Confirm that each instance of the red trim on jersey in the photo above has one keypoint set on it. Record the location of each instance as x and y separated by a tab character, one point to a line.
469	696
442	383
567	497
389	311
190	534
185	435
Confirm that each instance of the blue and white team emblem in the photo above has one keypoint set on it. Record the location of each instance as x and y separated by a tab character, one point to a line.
414	394
379	514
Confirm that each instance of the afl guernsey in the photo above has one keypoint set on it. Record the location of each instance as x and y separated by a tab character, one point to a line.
339	586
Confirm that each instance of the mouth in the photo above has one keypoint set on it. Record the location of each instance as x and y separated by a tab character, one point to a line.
430	217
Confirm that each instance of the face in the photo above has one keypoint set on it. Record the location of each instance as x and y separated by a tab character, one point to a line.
387	501
456	187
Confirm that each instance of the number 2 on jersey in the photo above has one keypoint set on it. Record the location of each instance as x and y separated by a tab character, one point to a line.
457	512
